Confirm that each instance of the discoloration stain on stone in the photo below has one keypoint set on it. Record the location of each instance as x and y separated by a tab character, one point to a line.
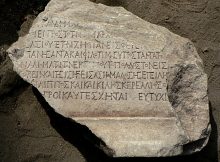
17	53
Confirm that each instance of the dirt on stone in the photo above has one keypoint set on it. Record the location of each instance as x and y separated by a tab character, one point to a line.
31	131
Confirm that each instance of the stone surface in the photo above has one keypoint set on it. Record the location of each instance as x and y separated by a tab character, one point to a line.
137	86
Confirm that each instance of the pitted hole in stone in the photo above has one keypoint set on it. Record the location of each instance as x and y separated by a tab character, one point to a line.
45	18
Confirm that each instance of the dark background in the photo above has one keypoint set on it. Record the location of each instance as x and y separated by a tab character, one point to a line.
30	131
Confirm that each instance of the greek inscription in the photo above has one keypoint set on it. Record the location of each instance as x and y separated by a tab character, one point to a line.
71	65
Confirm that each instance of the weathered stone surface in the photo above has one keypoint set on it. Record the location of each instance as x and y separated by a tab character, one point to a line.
137	86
